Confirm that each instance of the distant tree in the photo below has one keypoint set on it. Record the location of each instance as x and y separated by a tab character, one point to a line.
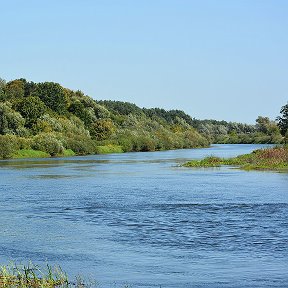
122	108
31	108
47	142
29	87
2	89
283	120
102	129
14	90
268	127
11	122
8	145
86	114
262	124
53	95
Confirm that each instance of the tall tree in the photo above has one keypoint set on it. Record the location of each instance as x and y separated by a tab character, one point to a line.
2	89
14	90
53	95
31	108
283	120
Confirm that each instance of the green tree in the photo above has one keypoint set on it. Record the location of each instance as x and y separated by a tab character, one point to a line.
8	145
47	142
2	89
85	114
11	122
283	120
31	108
102	129
53	95
14	90
262	124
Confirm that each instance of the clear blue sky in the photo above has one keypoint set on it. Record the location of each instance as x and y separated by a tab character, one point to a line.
218	59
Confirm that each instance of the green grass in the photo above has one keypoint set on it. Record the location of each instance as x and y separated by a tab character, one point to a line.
32	276
35	276
109	149
30	153
68	153
275	158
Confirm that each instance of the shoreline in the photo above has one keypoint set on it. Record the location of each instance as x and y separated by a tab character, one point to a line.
267	159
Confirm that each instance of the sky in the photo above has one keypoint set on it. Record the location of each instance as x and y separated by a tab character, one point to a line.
217	59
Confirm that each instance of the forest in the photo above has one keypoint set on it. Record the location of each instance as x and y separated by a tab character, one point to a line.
46	119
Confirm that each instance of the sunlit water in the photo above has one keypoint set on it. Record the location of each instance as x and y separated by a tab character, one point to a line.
139	218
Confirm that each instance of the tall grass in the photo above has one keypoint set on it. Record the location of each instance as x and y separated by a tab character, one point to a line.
32	276
275	158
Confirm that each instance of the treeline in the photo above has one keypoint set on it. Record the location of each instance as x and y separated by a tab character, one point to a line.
50	118
56	120
263	131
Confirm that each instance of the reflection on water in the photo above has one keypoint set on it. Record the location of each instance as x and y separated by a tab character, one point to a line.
142	219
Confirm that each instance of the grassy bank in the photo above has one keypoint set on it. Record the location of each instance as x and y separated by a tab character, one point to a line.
275	158
108	149
31	153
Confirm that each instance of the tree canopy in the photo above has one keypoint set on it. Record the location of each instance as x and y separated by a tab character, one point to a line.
283	120
52	118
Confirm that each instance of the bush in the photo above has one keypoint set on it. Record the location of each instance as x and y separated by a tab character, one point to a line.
11	121
8	145
47	142
80	145
108	149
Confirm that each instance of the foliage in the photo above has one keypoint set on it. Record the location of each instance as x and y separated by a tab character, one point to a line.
102	129
68	153
52	118
31	108
2	89
29	153
275	158
83	113
122	108
8	145
11	122
108	149
80	145
283	120
14	90
49	143
53	95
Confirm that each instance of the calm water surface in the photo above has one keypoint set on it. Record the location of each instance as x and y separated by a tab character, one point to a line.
138	218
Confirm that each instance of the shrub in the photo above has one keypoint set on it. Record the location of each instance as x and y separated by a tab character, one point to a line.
8	145
47	142
80	145
11	121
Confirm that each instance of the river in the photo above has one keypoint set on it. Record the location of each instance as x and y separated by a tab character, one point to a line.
139	218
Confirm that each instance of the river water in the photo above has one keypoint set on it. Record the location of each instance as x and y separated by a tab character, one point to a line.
139	218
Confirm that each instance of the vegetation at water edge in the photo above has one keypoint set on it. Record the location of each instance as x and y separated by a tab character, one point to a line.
275	158
32	276
37	118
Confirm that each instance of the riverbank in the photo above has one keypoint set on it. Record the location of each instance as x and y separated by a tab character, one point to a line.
31	153
275	158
